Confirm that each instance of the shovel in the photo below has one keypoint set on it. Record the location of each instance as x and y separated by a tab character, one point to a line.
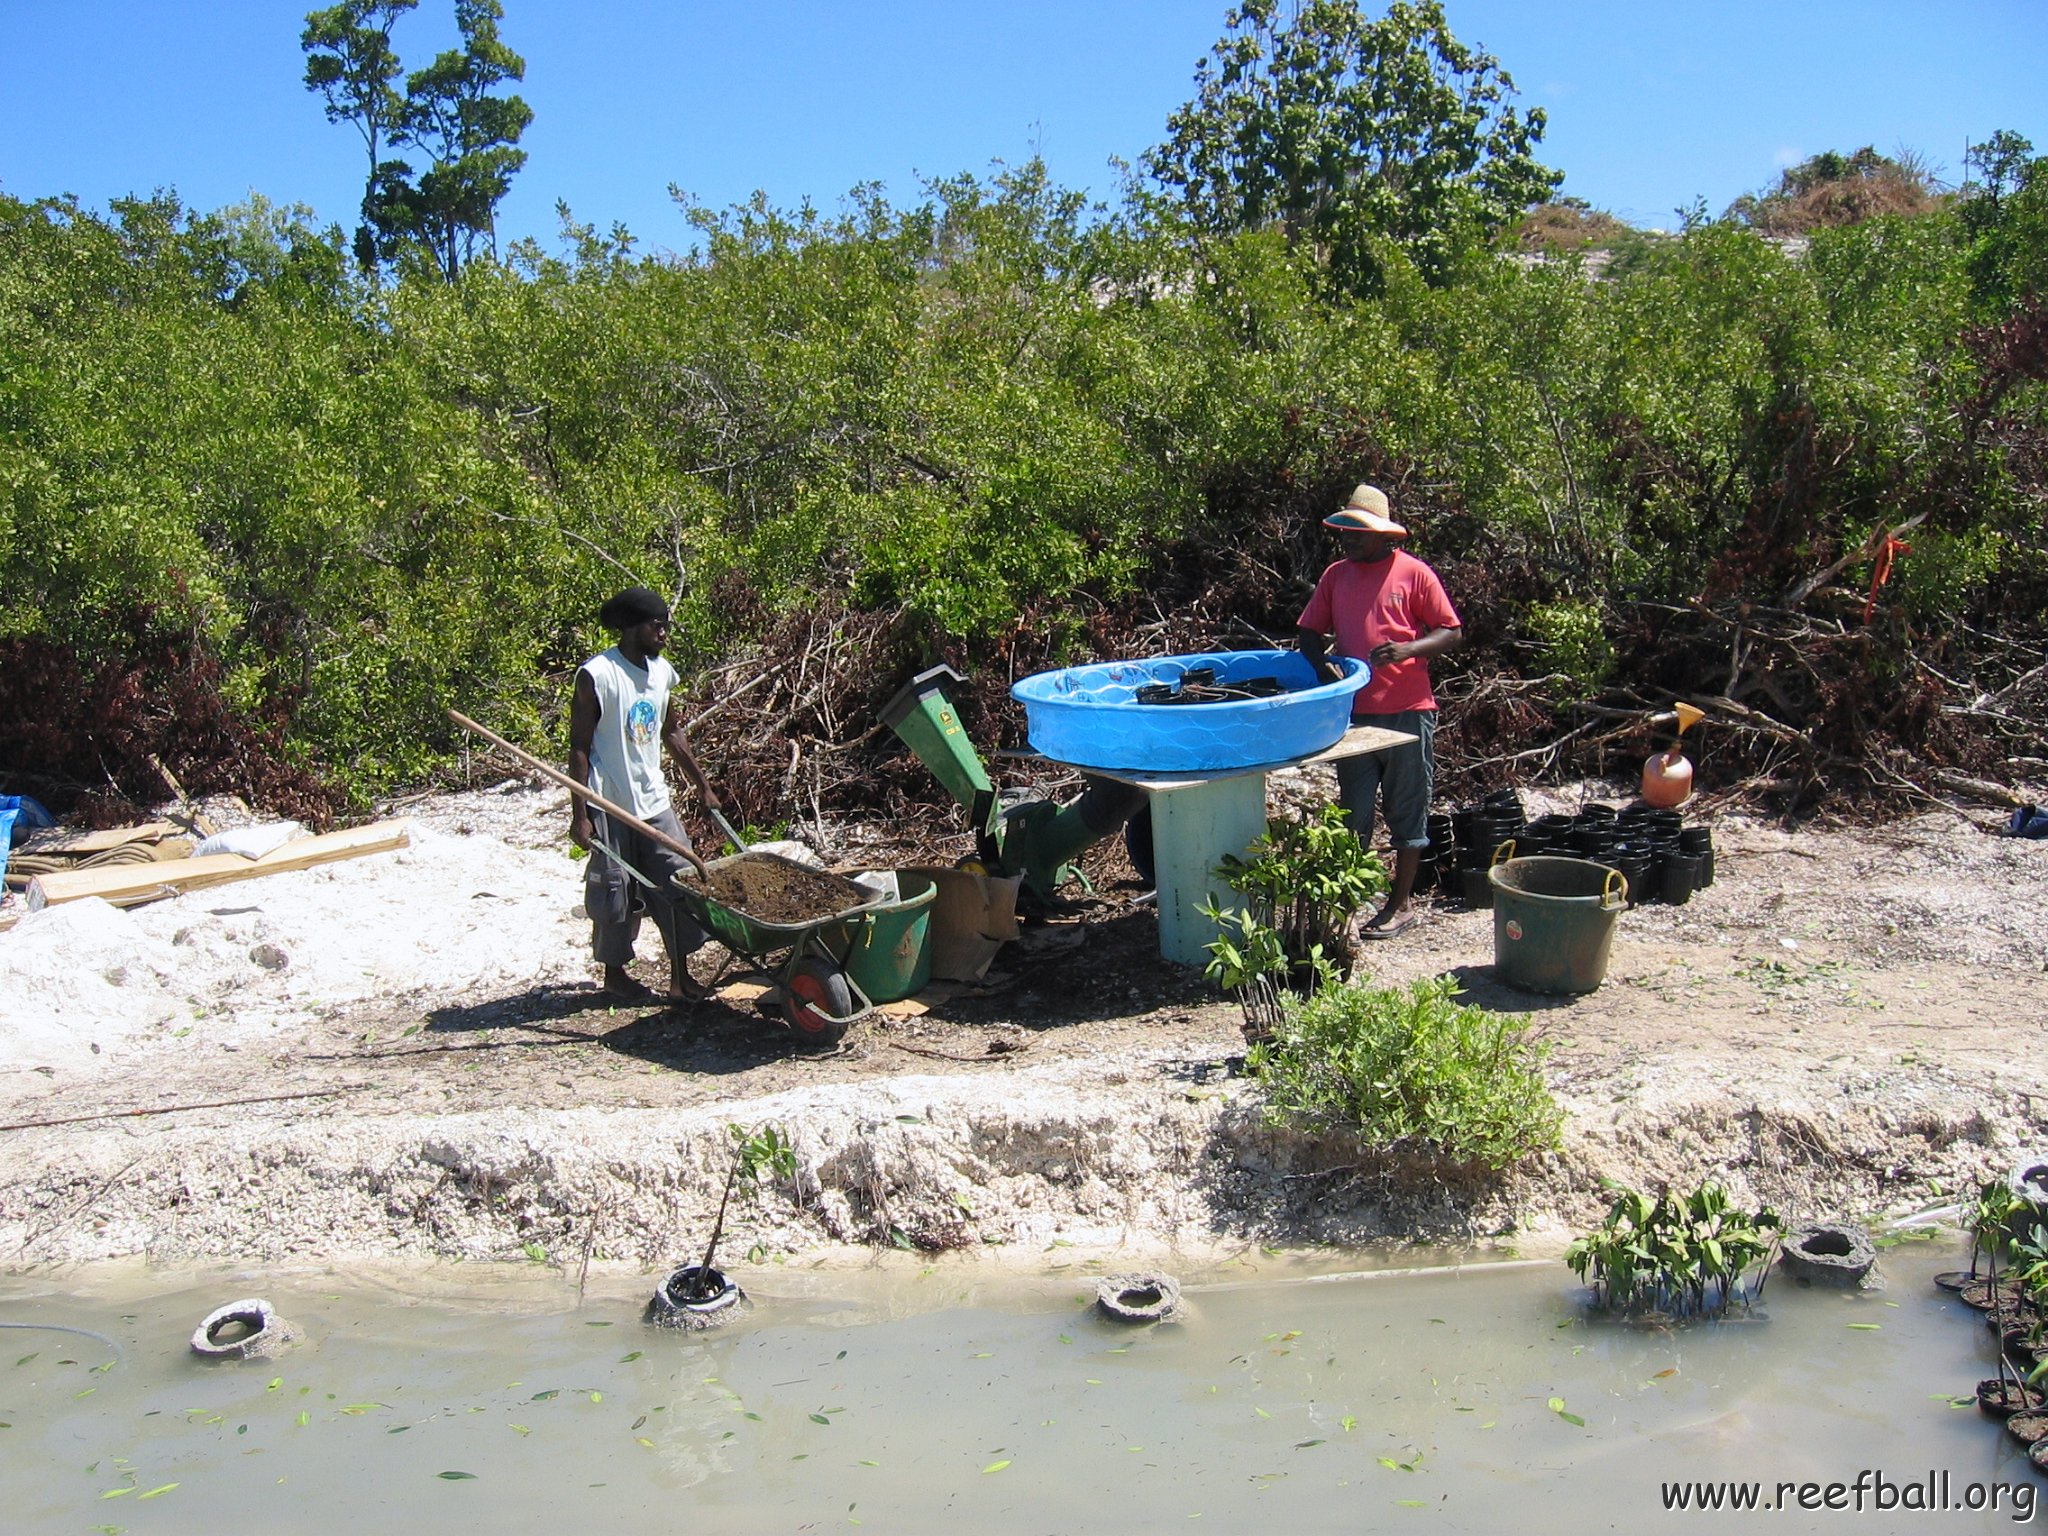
585	793
739	844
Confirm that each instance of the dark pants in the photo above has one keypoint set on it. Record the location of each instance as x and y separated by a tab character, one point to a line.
614	900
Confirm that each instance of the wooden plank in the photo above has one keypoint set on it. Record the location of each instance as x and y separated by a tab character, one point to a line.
61	840
1358	739
132	884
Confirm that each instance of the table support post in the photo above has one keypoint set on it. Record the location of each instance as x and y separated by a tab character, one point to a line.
1193	826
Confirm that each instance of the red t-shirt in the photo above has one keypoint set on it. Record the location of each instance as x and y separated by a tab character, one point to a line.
1363	606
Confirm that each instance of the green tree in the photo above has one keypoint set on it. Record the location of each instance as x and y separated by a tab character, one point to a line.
350	62
1347	132
450	111
471	136
2004	212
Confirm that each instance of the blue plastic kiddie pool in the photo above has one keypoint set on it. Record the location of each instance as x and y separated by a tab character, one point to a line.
1090	716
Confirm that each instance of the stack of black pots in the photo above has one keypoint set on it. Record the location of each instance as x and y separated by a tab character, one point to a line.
1661	858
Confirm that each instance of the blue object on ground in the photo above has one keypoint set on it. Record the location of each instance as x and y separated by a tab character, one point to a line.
7	815
1089	716
2028	821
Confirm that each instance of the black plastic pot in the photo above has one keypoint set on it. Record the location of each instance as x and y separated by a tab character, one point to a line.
696	1298
1475	887
1699	841
1681	878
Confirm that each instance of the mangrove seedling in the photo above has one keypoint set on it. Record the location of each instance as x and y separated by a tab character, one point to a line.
1304	879
755	1153
1990	1222
1687	1256
1248	960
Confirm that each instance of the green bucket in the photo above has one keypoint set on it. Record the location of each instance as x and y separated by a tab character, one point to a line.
1553	922
891	951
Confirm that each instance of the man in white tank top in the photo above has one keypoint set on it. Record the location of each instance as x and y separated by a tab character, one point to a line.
619	716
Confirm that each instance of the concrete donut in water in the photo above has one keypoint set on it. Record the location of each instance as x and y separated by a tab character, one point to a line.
264	1331
1138	1298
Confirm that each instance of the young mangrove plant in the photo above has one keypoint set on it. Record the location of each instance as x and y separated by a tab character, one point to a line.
1682	1255
755	1154
1409	1068
1304	879
1248	960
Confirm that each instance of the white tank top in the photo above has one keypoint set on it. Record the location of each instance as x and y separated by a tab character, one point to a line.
625	751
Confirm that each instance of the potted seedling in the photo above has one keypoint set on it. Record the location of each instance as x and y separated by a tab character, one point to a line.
1304	879
1989	1221
700	1295
1248	960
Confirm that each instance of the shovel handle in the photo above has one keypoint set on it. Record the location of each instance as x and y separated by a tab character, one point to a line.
583	792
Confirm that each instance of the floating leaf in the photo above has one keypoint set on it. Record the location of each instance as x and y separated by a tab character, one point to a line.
748	1413
984	1355
542	1397
870	1463
590	1323
1302	1445
456	1477
1348	1423
1867	1327
597	1397
637	1422
165	1488
396	1429
305	1418
117	1493
819	1418
643	1440
994	1466
1262	1413
1573	1418
24	1360
1669	1370
629	1358
519	1429
275	1383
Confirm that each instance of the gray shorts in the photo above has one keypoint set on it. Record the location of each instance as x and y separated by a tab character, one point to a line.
1400	780
614	900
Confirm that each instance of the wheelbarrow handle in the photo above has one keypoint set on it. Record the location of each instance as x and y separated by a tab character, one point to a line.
583	792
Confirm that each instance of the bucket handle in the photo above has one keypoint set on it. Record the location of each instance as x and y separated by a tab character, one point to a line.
1614	891
1500	857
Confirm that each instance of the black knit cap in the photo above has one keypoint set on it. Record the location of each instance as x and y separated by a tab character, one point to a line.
632	608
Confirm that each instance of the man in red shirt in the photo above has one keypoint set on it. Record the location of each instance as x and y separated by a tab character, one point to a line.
1383	605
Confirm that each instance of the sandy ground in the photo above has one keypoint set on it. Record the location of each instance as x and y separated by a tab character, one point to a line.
405	1058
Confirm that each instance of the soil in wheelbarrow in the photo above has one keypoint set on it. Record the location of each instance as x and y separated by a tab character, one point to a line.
776	891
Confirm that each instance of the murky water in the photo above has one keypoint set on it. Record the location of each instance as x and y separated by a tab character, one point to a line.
929	1402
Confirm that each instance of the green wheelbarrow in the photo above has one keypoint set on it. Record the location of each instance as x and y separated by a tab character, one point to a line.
812	988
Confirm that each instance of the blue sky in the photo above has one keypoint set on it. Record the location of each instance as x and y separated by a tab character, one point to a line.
1651	102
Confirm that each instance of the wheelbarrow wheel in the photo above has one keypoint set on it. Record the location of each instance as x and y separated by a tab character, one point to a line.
817	1002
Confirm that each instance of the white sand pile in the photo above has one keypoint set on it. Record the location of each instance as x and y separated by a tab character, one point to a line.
455	912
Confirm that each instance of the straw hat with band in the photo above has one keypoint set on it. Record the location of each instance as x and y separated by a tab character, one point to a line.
1366	512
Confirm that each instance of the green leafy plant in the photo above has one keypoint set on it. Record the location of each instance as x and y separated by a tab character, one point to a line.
1990	1222
1248	960
1573	638
755	1154
1684	1255
1412	1068
1303	880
